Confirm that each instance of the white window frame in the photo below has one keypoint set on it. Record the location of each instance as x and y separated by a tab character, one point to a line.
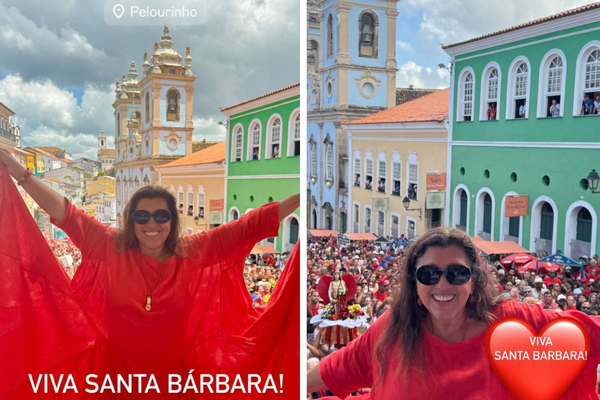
292	126
409	220
485	86
460	110
190	192
580	71
381	160
250	150
357	171
180	199
479	212
511	98
543	105
314	162
231	210
200	195
456	207
269	132
329	162
365	220
412	161
377	225
368	159
234	144
354	204
392	215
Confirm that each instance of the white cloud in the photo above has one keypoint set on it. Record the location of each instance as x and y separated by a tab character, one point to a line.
209	129
422	77
403	46
12	37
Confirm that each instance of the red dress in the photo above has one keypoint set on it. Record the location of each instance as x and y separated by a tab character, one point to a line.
201	318
454	371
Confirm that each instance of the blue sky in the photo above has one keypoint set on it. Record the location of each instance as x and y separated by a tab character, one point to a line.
423	24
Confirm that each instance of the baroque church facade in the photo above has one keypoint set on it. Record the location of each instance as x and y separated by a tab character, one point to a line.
153	118
351	74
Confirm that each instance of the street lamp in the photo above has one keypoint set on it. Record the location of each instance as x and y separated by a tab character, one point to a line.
443	66
406	204
593	179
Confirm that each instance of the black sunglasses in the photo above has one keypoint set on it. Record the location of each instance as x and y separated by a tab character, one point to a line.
586	308
456	274
142	217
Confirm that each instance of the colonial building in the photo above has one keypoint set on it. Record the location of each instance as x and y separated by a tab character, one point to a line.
351	74
153	118
106	157
90	166
520	147
263	149
56	152
198	183
398	154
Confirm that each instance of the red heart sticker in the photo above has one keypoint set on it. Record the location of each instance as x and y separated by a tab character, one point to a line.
536	366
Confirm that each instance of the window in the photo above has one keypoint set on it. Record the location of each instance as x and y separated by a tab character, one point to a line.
329	163
254	147
490	93
356	218
592	71
293	148
275	136
368	34
587	78
467	98
147	108
413	179
190	210
552	85
369	174
238	144
297	136
330	35
382	174
313	160
314	46
487	214
396	179
357	172
173	105
118	124
395	227
200	205
513	226
518	89
380	223
584	225
180	202
547	222
294	229
367	220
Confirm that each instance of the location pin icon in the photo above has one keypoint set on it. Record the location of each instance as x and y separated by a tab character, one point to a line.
118	10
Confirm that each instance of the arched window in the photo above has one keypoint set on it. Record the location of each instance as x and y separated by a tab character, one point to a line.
329	163
314	46
297	135
173	105
587	78
330	36
518	90
254	145
119	124
467	87
490	93
147	107
552	85
275	136
584	225
313	160
464	211
487	214
547	222
368	32
294	230
592	71
314	219
238	140
293	141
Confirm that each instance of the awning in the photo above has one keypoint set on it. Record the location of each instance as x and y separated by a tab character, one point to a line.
382	239
322	233
361	236
264	249
506	247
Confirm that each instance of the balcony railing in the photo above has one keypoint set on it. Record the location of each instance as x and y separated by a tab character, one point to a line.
7	135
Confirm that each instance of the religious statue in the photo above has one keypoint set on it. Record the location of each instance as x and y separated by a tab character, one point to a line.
337	295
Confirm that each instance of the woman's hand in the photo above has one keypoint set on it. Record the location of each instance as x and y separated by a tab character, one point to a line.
15	169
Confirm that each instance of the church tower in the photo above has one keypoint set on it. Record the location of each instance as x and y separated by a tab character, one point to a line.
101	141
351	74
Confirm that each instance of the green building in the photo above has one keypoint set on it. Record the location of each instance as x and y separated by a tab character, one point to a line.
263	157
507	139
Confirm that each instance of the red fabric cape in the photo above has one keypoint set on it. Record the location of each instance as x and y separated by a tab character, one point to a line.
49	325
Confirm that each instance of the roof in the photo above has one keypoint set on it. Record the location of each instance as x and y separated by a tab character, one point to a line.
4	105
260	97
432	107
197	146
404	95
264	249
107	153
361	236
51	149
567	13
67	161
507	247
54	180
212	154
322	232
42	152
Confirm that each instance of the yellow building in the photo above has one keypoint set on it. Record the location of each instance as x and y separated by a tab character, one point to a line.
198	183
399	155
101	184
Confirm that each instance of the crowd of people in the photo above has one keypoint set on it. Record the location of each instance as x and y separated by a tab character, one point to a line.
67	254
261	275
376	269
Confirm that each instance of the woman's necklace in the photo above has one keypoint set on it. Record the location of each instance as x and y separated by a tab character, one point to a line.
150	291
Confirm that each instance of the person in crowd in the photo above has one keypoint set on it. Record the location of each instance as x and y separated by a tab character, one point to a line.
507	285
587	105
571	302
491	112
586	307
437	324
597	112
538	287
523	109
382	290
555	109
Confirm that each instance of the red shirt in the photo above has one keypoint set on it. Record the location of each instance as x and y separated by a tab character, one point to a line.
453	370
548	281
380	297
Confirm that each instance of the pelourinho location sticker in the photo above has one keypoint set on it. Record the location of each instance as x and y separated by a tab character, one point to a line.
537	366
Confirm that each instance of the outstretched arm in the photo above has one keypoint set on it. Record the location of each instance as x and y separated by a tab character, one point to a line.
314	383
50	201
288	205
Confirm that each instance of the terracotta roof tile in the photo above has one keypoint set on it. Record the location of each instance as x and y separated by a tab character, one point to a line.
42	152
432	107
54	180
108	153
212	154
260	97
51	149
530	23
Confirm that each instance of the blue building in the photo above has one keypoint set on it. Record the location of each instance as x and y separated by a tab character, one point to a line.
351	74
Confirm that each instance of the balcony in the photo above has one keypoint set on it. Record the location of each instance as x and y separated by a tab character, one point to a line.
7	135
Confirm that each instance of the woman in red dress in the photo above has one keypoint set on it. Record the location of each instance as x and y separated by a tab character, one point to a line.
431	344
143	301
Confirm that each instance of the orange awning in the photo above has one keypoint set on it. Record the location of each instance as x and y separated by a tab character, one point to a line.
361	236
506	247
264	249
322	233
